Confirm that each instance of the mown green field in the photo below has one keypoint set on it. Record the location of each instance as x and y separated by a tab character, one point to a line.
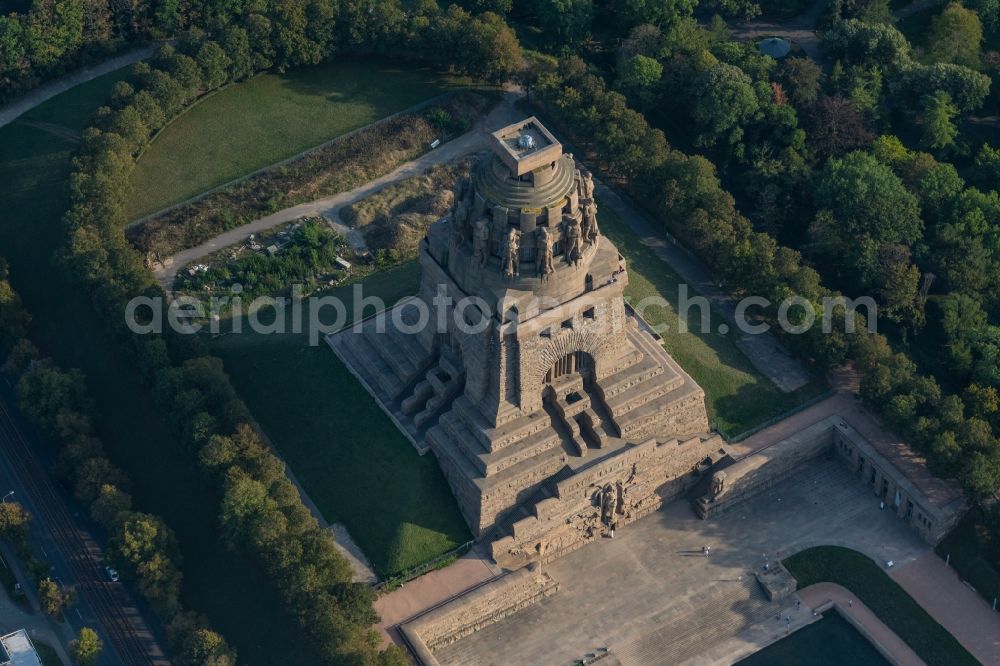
737	395
272	117
349	456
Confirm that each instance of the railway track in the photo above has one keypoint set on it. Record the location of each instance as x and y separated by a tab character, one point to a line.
83	561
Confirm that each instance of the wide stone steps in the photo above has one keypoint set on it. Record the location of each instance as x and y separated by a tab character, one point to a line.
413	403
638	418
369	364
724	611
447	445
496	438
532	445
454	429
623	380
592	429
444	392
637	396
401	353
483	463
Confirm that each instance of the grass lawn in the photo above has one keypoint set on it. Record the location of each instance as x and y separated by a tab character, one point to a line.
830	642
350	457
34	170
883	596
272	117
737	395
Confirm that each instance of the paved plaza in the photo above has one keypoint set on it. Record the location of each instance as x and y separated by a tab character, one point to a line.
649	596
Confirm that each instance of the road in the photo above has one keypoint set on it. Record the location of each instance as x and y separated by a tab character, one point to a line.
74	553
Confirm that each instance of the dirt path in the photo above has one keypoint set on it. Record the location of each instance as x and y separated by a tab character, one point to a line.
45	92
329	207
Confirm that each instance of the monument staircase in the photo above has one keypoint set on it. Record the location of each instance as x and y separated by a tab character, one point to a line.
435	392
693	625
581	418
642	391
387	359
582	415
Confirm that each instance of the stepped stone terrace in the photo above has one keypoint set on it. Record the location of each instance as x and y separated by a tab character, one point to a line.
552	409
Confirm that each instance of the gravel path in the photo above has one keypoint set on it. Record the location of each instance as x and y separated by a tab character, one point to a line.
329	207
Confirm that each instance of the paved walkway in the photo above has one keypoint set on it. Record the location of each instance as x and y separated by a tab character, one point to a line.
957	607
648	596
764	351
432	589
329	207
823	594
47	91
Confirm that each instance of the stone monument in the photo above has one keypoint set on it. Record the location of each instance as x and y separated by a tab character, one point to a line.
555	414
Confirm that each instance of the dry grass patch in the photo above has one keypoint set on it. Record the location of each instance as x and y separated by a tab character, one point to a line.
395	218
336	167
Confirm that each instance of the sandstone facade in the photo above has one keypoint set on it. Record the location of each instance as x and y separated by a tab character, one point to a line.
555	413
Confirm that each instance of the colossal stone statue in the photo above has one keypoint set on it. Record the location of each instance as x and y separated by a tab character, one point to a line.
609	504
590	230
512	253
587	186
718	484
544	251
573	243
481	241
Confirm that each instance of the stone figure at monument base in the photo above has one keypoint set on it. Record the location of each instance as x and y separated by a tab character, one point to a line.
554	413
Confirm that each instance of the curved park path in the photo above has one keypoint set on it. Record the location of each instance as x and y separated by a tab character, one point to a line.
47	91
